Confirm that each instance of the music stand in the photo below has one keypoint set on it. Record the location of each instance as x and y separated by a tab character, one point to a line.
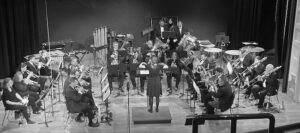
169	34
237	105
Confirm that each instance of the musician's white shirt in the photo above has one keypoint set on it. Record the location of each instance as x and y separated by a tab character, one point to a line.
180	30
162	29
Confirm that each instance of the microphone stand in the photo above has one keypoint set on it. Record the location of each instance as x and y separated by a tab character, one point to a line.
128	109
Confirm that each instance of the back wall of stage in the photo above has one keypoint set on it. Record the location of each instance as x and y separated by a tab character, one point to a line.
76	19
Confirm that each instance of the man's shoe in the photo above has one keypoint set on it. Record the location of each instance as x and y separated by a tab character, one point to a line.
42	109
150	110
30	122
157	110
93	124
36	112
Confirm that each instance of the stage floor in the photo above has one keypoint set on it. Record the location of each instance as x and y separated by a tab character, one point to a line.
178	108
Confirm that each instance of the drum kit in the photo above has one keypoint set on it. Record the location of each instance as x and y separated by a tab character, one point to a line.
230	55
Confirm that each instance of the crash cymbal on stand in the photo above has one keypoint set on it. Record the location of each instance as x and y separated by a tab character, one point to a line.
213	50
233	52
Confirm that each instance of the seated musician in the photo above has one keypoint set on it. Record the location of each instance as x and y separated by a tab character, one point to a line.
44	62
175	66
13	101
114	69
134	62
222	93
75	66
27	75
21	86
76	72
195	74
248	60
76	104
267	83
254	72
32	67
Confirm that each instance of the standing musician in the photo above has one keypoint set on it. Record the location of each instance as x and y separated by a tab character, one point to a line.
173	43
267	83
115	69
154	87
13	101
159	29
222	91
180	31
76	104
175	66
21	86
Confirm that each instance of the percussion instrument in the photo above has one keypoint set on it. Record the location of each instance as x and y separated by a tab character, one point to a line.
233	52
208	45
250	43
257	49
213	50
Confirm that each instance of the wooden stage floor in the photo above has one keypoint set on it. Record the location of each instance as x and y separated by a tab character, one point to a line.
178	108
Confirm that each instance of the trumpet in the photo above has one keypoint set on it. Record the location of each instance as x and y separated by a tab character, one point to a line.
31	74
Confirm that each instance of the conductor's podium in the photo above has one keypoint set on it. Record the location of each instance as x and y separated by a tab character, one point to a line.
140	115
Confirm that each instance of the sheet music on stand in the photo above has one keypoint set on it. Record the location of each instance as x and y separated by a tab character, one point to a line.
105	95
196	87
169	34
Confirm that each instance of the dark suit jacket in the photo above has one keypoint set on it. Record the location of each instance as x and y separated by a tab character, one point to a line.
73	101
178	63
224	94
272	84
158	34
178	34
32	68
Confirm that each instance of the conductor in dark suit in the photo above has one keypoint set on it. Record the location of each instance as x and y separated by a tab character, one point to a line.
76	105
223	94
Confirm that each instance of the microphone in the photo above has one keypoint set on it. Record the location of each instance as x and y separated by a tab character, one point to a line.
127	86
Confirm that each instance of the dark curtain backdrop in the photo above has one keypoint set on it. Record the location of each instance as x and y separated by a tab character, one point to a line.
18	33
245	22
286	20
268	22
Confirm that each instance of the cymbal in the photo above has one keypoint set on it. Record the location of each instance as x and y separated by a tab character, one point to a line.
208	45
250	43
233	52
257	50
213	50
246	48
